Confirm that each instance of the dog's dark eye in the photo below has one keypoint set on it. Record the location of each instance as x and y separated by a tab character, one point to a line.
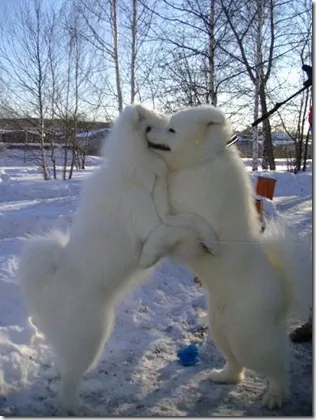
148	129
171	130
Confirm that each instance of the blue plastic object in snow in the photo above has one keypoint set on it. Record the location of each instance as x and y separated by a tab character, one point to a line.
189	356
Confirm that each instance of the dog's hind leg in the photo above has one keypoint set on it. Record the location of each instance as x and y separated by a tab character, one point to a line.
79	352
278	390
233	371
68	391
270	358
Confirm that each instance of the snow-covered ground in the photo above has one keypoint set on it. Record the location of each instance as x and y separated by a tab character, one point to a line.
138	374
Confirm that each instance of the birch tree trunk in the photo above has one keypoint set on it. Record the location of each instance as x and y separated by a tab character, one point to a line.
114	26
134	50
211	57
39	86
53	88
267	153
261	12
255	145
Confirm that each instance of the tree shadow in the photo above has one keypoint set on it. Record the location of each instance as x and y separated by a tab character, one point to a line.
105	388
292	202
124	384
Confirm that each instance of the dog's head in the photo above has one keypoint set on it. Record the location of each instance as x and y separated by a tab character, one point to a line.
190	136
130	129
140	117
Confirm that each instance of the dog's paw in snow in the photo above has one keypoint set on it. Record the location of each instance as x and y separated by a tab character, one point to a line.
226	375
275	396
147	260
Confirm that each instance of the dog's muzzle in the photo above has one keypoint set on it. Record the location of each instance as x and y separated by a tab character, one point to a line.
158	146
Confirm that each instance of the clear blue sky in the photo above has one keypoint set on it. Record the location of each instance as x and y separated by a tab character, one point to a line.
7	3
10	4
290	75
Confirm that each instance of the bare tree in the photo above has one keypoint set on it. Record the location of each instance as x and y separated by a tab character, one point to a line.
73	98
258	82
114	28
248	21
125	56
298	128
193	68
133	49
293	117
53	40
94	56
298	135
101	18
24	58
307	142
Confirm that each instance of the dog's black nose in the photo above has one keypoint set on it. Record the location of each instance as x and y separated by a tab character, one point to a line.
148	129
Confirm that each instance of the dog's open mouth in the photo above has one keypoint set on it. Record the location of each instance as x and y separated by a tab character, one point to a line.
158	146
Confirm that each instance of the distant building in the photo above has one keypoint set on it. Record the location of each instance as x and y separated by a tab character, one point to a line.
283	145
281	138
92	140
24	133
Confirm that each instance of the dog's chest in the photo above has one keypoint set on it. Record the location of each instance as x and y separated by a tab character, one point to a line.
189	191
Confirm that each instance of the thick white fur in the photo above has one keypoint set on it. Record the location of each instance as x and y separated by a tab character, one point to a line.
72	282
256	279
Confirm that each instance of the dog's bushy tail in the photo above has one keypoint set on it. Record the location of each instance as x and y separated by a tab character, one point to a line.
291	256
39	260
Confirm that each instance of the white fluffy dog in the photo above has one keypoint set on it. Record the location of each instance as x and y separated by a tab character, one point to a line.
72	282
255	279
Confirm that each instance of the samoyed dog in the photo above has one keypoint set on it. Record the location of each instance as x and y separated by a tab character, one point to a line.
72	281
255	280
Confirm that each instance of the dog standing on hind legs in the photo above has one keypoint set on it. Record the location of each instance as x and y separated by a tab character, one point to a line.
72	282
255	280
247	337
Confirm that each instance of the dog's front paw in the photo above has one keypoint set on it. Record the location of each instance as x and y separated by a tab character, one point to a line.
211	245
272	401
147	260
226	376
212	248
276	394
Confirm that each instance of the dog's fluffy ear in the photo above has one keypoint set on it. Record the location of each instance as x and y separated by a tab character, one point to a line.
211	115
143	112
134	114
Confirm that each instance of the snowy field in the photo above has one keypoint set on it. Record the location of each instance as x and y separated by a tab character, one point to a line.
139	374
